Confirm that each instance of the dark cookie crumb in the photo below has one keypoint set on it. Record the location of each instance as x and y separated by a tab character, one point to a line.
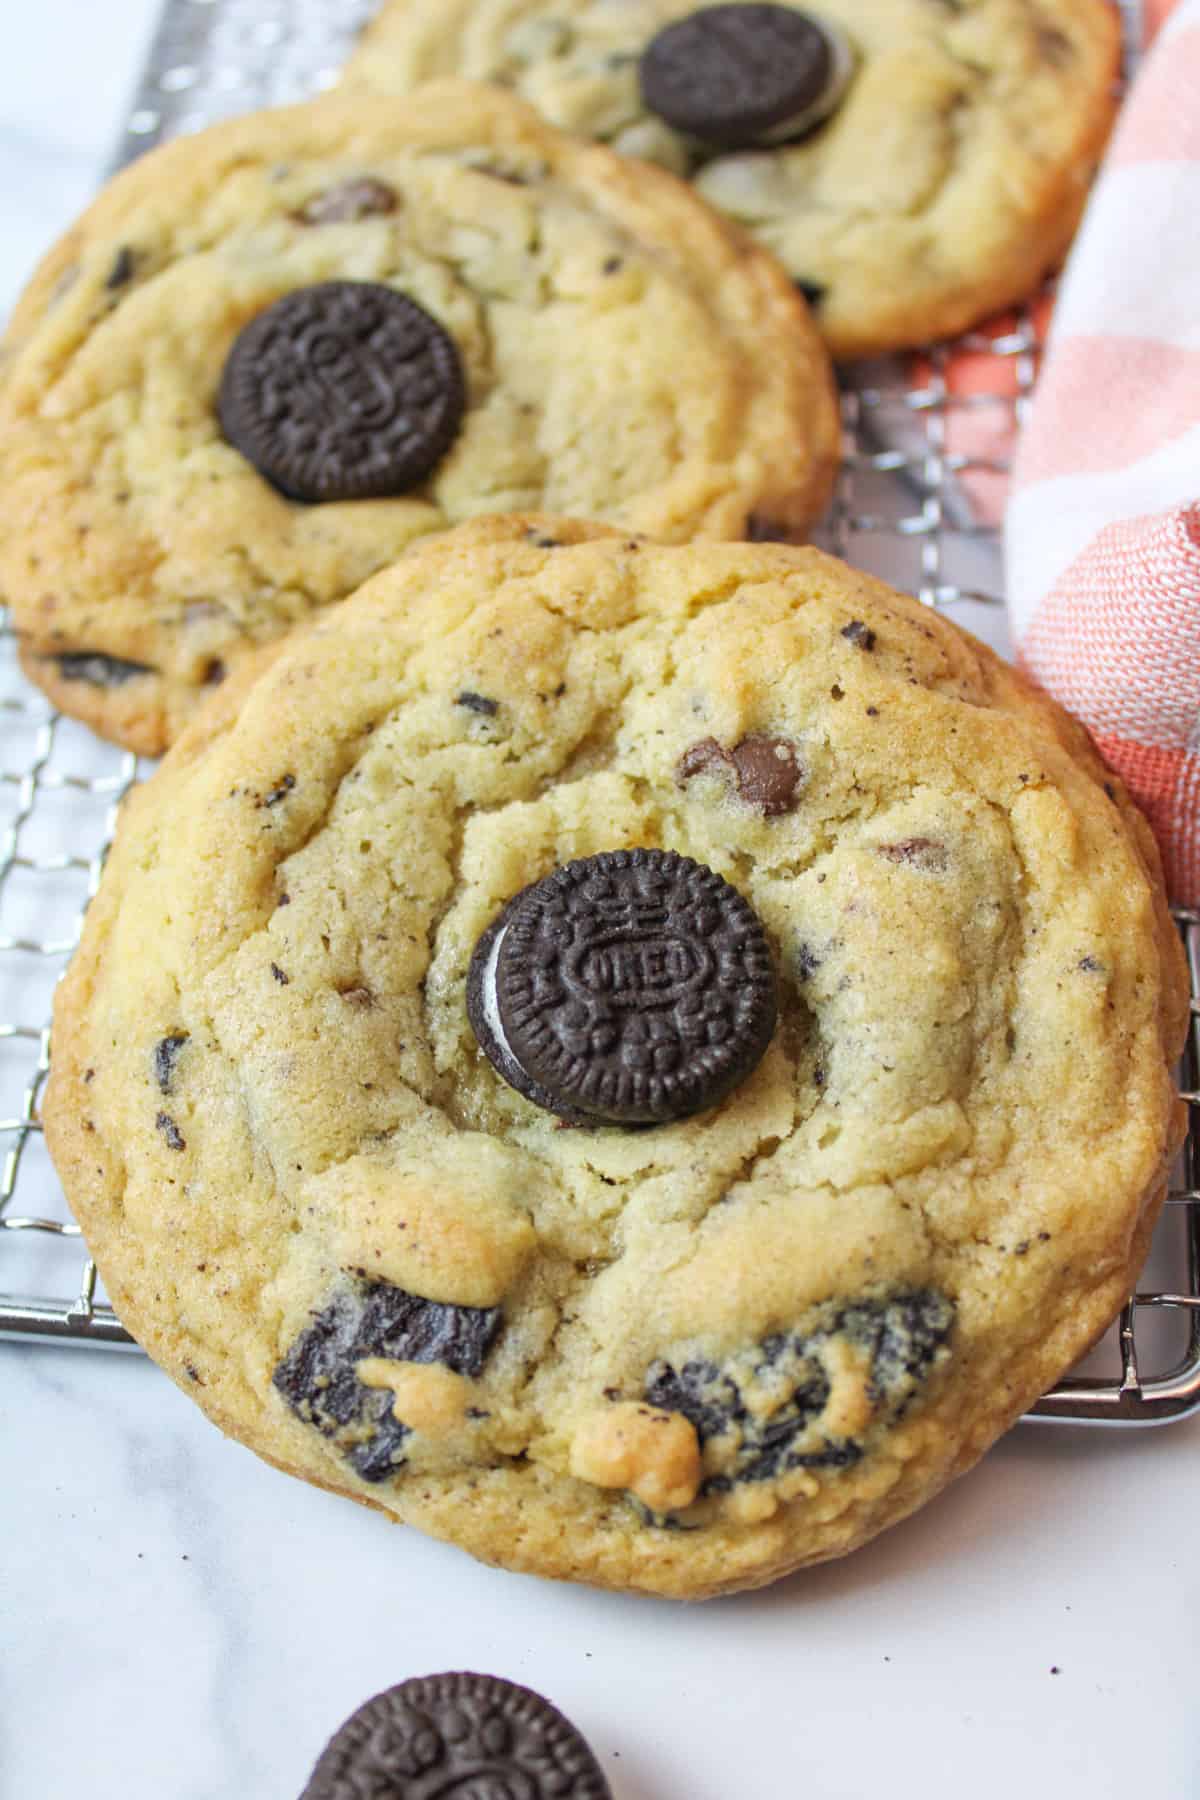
859	634
612	264
373	1318
478	703
902	1336
214	673
1055	46
99	670
166	1054
279	975
171	1132
920	852
280	792
122	268
814	291
1091	966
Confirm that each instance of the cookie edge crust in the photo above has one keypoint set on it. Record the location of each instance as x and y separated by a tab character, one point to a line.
561	1544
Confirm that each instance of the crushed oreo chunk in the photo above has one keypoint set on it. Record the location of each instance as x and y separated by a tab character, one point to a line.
901	1337
175	1139
99	670
478	703
362	197
280	792
166	1054
918	852
373	1318
122	269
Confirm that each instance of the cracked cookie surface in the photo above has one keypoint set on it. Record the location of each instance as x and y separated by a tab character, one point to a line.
627	354
682	1359
944	185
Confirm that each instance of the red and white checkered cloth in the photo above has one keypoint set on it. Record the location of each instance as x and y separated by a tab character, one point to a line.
1103	525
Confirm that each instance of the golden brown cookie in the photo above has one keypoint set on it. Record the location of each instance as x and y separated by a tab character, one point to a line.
944	180
685	1357
625	353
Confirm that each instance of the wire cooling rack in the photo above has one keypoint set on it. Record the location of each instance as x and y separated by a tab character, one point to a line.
926	443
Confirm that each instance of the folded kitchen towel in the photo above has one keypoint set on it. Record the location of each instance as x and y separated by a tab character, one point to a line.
1103	521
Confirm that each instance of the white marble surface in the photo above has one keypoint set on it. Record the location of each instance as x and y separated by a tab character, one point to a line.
179	1622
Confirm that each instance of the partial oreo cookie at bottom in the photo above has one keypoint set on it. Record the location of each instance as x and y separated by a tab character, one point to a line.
438	1736
346	390
634	987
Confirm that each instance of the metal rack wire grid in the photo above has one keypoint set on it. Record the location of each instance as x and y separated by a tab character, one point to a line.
917	502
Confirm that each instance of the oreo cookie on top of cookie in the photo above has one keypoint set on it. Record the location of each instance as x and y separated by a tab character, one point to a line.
616	1100
271	357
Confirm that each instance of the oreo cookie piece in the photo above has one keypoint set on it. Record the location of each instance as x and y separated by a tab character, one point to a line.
633	987
346	390
745	75
457	1734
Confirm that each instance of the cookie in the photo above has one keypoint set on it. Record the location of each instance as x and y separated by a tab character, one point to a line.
273	355
438	1735
680	1357
915	164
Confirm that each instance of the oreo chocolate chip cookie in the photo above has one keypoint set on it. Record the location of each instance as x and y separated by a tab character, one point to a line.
633	987
258	438
743	1337
343	391
461	1734
915	164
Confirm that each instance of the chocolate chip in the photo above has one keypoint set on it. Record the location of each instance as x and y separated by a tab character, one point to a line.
920	852
901	1337
362	197
478	703
122	268
171	1132
166	1053
279	975
762	530
767	770
343	391
459	1734
99	670
736	76
859	634
373	1318
631	987
214	673
814	291
280	792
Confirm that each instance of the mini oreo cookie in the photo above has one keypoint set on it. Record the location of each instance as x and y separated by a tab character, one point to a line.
471	1735
633	987
744	75
346	390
